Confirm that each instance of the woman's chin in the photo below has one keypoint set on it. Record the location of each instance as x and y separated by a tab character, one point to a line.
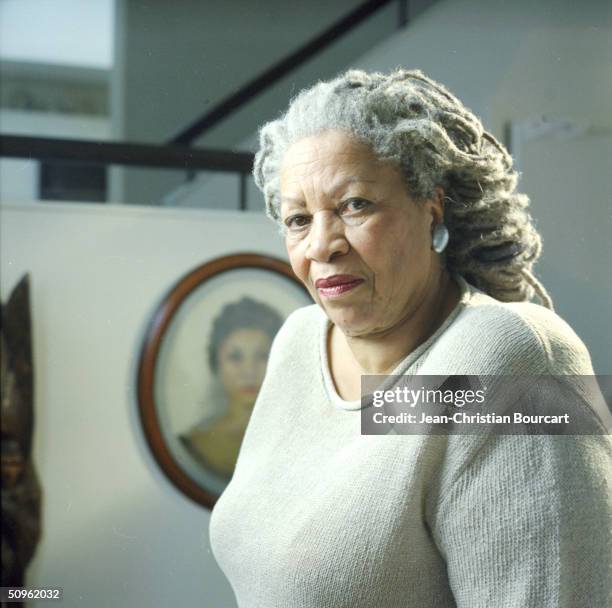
351	324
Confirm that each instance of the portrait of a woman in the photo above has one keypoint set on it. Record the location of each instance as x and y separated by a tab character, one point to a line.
237	355
401	216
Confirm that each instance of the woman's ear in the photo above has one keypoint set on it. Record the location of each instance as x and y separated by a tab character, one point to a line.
437	207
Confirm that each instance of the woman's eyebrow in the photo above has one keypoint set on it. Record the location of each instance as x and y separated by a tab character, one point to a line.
332	192
295	201
347	182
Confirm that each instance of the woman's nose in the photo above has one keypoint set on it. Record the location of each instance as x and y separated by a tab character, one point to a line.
249	374
326	238
250	371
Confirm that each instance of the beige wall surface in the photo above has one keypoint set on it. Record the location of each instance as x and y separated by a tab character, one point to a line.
116	532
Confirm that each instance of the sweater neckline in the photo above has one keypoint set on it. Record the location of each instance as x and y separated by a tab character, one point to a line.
404	364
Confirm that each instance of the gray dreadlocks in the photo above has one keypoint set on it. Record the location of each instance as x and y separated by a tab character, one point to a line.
416	122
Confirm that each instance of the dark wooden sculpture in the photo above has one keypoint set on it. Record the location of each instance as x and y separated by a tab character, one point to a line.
21	494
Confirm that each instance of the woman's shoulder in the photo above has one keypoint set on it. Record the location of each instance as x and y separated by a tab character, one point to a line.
301	327
518	337
305	315
302	322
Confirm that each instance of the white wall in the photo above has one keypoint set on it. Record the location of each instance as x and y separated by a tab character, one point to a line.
506	59
116	533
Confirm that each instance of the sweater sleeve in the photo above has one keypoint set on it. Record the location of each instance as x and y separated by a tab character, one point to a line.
527	523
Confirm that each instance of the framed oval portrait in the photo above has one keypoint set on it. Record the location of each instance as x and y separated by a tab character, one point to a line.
202	362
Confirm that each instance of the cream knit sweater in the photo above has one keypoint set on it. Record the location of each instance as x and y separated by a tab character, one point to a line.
319	516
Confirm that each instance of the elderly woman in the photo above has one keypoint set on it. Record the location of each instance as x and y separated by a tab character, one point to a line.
400	216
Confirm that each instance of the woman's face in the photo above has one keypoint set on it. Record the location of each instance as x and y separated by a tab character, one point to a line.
242	360
356	239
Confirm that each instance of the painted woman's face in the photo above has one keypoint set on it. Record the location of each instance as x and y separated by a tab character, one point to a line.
243	357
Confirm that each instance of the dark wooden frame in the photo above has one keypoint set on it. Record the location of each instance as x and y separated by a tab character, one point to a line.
150	351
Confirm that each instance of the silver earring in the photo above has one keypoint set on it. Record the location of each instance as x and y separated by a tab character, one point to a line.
439	239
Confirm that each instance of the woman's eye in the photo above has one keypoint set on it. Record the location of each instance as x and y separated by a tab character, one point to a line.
235	356
296	222
355	204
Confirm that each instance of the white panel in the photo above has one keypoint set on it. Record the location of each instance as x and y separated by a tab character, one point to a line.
116	533
572	205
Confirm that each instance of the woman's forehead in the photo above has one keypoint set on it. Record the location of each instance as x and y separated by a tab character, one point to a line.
334	146
334	160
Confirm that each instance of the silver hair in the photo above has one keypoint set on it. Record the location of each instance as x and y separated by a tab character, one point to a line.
416	122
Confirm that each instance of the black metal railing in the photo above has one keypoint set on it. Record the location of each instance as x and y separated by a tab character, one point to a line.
167	156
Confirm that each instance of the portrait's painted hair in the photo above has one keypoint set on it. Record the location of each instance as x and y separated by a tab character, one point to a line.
416	122
246	313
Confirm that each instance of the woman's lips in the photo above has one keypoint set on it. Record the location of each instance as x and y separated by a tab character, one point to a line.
337	285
